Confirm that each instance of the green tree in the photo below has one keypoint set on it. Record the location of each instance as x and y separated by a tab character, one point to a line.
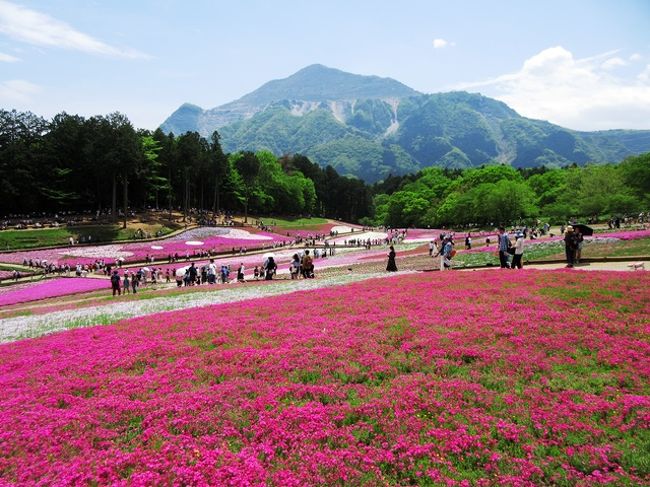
248	167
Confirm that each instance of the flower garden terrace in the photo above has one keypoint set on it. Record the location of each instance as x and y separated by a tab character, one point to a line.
187	243
485	378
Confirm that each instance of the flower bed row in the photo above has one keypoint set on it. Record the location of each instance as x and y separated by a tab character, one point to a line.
185	243
536	378
50	288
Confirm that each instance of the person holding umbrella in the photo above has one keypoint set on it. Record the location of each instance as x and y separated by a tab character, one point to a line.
570	246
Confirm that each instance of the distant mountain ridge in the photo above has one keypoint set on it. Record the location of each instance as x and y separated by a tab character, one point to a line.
369	127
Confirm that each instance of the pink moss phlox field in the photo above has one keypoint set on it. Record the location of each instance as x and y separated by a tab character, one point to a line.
160	249
51	288
468	378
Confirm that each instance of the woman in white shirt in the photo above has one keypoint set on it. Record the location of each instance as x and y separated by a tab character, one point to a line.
519	251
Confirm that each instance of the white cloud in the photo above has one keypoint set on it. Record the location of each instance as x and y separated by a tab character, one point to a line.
8	58
613	63
441	43
17	91
644	76
39	29
576	93
636	57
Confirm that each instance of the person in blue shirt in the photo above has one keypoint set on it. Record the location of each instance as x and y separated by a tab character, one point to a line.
504	244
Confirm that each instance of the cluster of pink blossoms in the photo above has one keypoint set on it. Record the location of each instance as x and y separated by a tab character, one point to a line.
483	378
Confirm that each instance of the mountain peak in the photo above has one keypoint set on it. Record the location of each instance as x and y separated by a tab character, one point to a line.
320	83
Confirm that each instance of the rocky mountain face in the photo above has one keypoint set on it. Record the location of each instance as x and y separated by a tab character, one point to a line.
370	127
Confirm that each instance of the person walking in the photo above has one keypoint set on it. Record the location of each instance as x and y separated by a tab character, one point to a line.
391	266
519	251
240	272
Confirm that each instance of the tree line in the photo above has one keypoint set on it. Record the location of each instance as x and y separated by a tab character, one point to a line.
103	162
494	194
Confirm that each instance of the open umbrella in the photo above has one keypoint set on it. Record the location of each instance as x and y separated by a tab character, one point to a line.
584	229
181	272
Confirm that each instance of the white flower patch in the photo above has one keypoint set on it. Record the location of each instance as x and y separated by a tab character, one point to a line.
202	232
100	252
194	243
157	247
342	229
245	235
359	236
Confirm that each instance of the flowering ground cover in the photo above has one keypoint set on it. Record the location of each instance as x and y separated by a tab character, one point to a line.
494	378
50	288
218	239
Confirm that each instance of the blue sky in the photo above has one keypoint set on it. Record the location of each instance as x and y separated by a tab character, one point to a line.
582	64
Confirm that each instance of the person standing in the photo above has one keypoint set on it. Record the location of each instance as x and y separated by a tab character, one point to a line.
127	284
519	251
295	267
468	242
307	265
431	246
446	254
270	268
579	242
212	272
504	244
392	266
570	246
115	283
240	273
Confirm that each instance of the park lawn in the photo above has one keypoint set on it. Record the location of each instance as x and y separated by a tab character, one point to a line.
18	267
621	248
46	237
296	223
555	251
